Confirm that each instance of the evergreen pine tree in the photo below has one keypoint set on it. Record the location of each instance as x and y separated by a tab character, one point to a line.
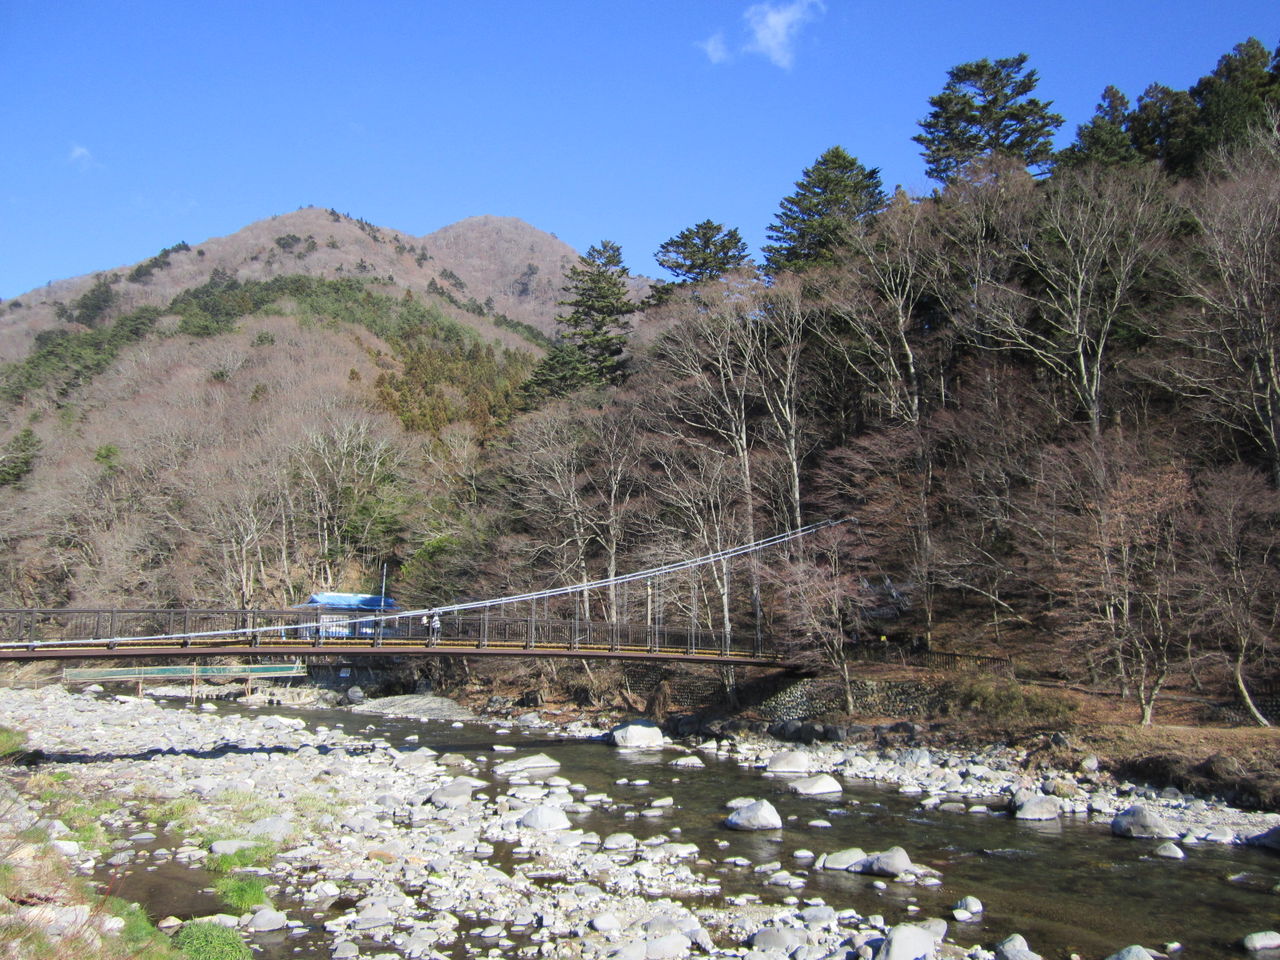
1234	98
705	251
811	223
1104	139
1163	128
594	331
986	108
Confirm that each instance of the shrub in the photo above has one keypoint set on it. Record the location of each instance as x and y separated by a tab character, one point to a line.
18	457
92	305
1009	704
208	941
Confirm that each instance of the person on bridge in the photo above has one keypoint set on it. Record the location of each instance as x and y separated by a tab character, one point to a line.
435	626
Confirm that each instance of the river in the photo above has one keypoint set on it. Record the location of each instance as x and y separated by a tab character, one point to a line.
1068	886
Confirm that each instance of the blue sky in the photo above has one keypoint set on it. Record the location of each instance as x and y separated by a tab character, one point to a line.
133	125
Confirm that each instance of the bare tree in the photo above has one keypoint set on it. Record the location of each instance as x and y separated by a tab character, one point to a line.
1110	517
1231	573
701	503
710	385
1228	344
547	461
578	481
873	303
822	598
348	483
1090	245
879	479
990	440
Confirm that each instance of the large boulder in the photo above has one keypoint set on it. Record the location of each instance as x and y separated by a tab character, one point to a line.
822	784
888	863
907	941
788	761
1014	947
537	761
454	794
667	947
222	847
1038	807
778	938
266	920
545	818
1268	838
1138	821
1170	851
637	734
1264	940
844	859
760	815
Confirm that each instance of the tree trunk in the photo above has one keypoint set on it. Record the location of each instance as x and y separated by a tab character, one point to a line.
1244	694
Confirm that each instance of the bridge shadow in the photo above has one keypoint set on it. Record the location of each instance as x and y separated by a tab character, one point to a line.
36	758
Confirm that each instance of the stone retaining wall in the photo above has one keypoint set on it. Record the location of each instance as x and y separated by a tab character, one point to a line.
810	697
782	697
690	689
1268	705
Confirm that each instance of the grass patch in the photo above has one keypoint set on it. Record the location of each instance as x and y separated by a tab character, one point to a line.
139	937
11	741
19	939
183	815
247	857
242	892
246	806
89	835
315	805
208	941
80	815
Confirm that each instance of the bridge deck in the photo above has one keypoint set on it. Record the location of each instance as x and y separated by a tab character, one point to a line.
75	634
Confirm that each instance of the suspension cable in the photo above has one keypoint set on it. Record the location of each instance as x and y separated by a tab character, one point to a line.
333	624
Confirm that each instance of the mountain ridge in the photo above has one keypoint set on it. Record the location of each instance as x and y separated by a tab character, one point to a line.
475	269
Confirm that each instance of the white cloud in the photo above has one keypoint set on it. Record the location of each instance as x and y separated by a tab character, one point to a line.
715	48
80	157
774	28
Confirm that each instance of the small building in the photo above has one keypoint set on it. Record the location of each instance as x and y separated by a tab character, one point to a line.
336	614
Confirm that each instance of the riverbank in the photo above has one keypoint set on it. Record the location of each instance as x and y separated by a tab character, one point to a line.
1191	747
369	847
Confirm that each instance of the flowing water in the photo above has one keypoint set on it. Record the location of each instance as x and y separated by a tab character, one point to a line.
1067	886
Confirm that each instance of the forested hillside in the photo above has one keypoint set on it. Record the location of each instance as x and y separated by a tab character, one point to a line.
1047	395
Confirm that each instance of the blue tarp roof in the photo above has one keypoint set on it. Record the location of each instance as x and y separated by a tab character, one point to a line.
351	601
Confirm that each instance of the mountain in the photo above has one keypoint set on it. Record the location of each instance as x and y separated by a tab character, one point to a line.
475	271
245	420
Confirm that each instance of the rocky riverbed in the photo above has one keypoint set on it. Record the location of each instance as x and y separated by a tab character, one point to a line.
385	850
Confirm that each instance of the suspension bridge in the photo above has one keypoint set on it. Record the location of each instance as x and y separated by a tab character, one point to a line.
680	604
